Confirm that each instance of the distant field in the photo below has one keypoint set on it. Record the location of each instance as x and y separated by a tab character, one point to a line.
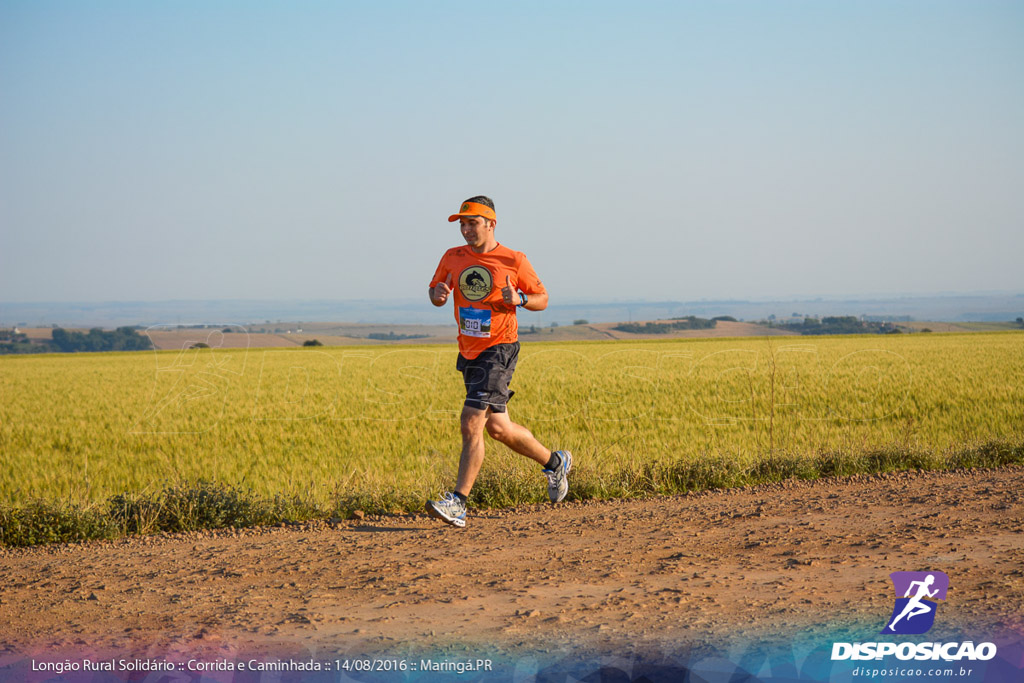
284	335
290	334
723	328
330	421
170	337
333	335
919	325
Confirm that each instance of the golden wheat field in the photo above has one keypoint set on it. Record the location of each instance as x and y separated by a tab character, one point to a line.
324	421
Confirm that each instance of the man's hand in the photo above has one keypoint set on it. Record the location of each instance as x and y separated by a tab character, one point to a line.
439	295
509	293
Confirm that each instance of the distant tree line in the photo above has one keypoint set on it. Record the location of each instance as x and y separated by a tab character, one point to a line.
70	341
96	339
841	324
8	335
18	342
689	322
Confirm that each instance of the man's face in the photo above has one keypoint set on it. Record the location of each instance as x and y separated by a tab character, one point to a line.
476	230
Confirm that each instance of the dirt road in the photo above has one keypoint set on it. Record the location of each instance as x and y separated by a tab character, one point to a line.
785	561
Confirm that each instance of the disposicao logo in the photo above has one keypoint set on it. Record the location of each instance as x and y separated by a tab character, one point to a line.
917	594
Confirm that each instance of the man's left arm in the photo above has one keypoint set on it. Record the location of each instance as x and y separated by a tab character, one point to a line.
530	285
537	301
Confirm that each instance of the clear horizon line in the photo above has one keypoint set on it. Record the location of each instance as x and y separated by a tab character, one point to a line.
707	299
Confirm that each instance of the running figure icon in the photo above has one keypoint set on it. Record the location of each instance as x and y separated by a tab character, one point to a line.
915	606
918	595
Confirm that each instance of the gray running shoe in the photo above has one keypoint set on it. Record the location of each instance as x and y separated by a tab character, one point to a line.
449	509
558	478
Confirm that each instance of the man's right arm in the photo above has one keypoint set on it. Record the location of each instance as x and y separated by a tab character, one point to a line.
439	293
443	278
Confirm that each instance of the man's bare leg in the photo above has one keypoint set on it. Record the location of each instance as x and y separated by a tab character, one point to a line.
472	458
502	429
517	437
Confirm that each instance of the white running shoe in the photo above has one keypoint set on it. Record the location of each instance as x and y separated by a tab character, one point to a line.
449	509
558	478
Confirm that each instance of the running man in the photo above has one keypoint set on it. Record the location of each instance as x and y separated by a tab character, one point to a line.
914	606
489	281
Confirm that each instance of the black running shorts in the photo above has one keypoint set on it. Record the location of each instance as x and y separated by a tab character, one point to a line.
487	376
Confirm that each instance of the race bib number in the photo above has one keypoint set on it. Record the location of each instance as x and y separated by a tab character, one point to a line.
475	322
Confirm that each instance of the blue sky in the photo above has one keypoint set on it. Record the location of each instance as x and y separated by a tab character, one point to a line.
212	150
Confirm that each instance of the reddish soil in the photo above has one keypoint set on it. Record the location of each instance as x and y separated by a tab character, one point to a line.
771	562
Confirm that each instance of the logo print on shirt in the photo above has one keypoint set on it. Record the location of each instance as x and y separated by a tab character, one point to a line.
475	283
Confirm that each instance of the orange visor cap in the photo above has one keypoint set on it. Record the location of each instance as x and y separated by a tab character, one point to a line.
473	209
